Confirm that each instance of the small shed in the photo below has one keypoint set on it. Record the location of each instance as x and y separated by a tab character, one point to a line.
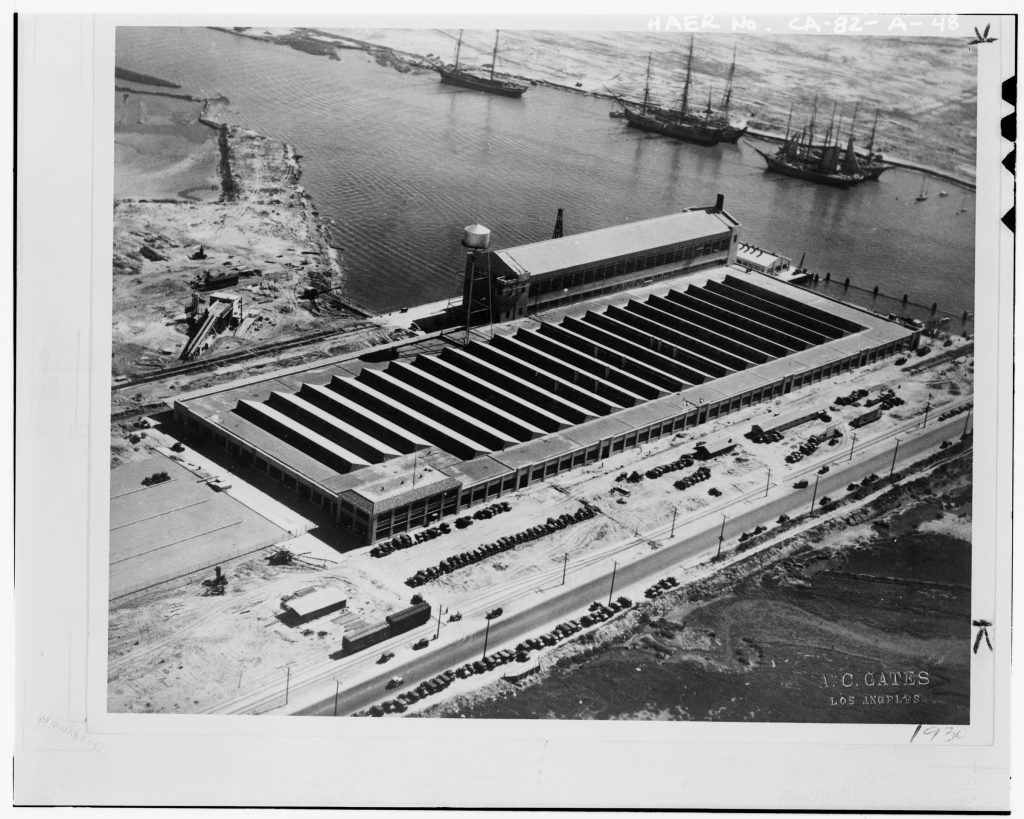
311	606
706	450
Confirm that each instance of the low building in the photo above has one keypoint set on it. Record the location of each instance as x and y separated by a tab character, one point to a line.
781	423
761	261
306	607
706	450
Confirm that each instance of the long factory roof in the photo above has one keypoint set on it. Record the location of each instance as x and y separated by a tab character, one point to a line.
387	484
594	246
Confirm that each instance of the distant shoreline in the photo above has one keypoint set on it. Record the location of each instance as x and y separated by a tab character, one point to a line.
324	43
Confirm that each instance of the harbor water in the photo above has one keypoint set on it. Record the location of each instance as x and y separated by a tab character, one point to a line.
399	164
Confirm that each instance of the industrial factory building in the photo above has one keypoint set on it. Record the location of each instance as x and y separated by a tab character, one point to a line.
508	284
423	428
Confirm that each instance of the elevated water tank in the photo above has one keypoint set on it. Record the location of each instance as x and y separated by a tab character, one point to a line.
476	237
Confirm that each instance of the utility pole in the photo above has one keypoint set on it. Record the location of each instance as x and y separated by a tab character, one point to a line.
768	482
893	467
721	536
675	512
927	407
337	687
487	634
814	496
565	567
438	633
966	420
611	591
287	682
853	443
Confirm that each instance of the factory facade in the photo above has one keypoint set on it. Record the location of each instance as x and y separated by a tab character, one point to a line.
393	440
508	284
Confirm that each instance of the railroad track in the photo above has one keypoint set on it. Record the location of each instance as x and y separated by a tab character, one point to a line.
239	356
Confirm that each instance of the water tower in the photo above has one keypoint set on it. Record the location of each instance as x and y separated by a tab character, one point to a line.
476	291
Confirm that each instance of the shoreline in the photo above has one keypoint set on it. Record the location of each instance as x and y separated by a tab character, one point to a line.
259	223
324	42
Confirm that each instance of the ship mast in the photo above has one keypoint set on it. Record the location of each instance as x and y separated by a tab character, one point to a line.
707	111
494	56
789	122
871	145
458	48
647	86
810	135
686	86
727	96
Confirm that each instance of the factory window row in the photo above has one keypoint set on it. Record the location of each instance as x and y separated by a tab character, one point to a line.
622	284
591	275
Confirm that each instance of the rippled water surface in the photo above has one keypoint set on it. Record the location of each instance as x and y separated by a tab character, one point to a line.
402	163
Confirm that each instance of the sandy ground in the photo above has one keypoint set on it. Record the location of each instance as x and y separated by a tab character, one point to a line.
263	228
376	585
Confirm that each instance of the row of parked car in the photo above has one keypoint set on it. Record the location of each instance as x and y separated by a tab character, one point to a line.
806	449
682	462
659	588
407	541
503	544
698	475
486	513
596	613
852	398
954	412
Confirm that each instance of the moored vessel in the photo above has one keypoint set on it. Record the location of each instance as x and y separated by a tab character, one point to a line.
489	85
701	127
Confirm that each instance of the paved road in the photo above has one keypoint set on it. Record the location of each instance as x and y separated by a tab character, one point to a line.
573	602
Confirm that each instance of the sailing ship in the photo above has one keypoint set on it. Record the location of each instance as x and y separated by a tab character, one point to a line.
873	166
463	79
699	126
827	164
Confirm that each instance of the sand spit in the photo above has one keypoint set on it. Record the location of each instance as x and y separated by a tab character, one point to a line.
198	197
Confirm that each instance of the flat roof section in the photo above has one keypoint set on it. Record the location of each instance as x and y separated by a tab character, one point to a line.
646	236
477	471
308	604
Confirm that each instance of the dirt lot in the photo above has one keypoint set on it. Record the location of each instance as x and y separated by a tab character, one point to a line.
196	200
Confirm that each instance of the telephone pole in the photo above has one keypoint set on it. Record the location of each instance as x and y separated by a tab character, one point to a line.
611	591
814	496
487	634
721	536
893	467
675	512
853	443
768	482
565	567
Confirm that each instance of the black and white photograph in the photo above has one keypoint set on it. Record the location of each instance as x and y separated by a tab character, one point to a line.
524	378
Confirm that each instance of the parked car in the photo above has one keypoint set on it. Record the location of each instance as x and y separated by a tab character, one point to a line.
387	655
494	613
394	682
783	519
423	642
800	485
823	470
